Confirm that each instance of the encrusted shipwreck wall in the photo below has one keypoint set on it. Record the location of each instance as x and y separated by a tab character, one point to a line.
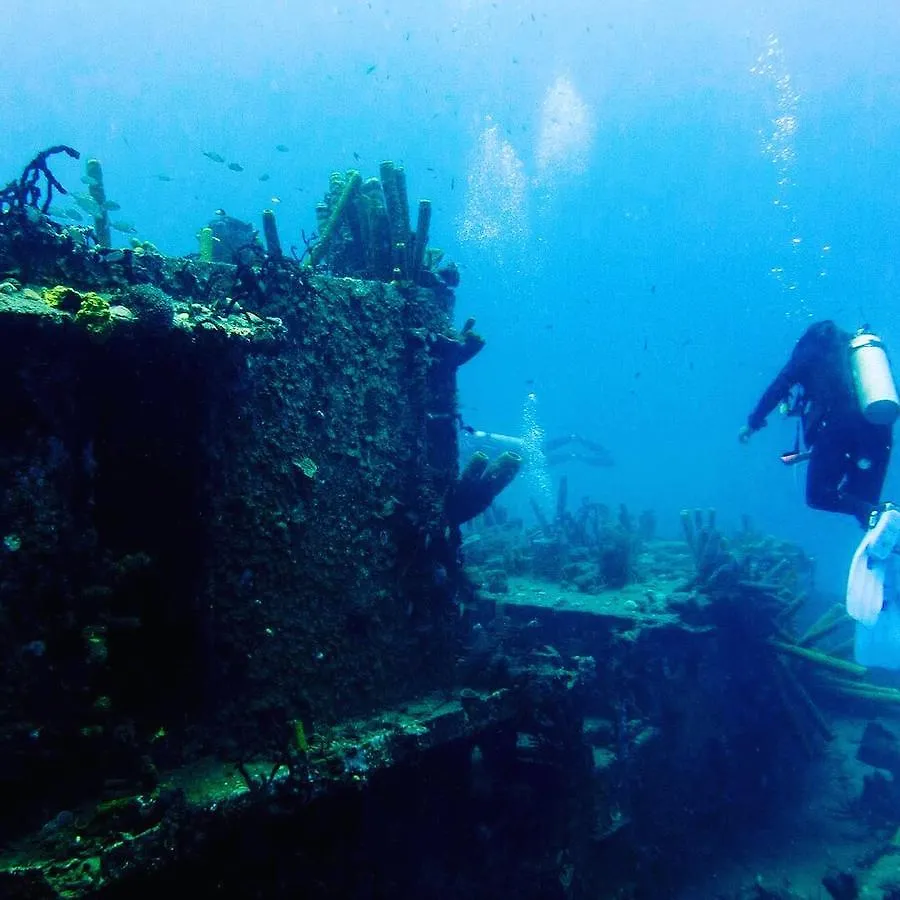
222	529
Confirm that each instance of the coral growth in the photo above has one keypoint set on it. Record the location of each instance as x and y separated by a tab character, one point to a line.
94	315
480	483
91	311
365	231
26	191
154	308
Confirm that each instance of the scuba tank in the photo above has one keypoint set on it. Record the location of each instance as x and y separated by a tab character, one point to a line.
875	388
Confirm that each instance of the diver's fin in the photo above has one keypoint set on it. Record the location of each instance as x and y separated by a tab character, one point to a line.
885	534
865	590
865	584
878	645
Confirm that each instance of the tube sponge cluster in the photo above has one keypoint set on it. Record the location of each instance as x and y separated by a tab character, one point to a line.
364	228
480	483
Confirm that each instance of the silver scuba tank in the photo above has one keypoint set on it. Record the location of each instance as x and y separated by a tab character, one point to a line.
875	388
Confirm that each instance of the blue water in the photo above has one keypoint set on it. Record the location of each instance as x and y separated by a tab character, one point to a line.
646	284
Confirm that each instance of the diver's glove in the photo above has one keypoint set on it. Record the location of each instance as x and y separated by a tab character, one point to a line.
744	433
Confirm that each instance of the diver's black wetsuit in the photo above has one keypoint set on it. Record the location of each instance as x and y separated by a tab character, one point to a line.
849	455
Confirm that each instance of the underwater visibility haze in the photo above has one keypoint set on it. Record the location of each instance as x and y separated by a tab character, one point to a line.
245	493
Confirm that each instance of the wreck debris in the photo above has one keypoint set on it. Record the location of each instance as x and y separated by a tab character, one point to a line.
174	357
321	537
757	592
831	620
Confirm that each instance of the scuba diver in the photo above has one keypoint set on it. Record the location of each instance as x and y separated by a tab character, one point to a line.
574	448
565	448
840	387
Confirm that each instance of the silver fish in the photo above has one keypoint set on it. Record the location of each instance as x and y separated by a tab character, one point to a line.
88	204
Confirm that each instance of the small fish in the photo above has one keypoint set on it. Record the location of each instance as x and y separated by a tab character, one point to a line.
124	227
452	183
73	214
282	148
274	199
163	177
264	176
111	206
356	156
371	69
235	167
215	157
220	212
86	179
88	204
